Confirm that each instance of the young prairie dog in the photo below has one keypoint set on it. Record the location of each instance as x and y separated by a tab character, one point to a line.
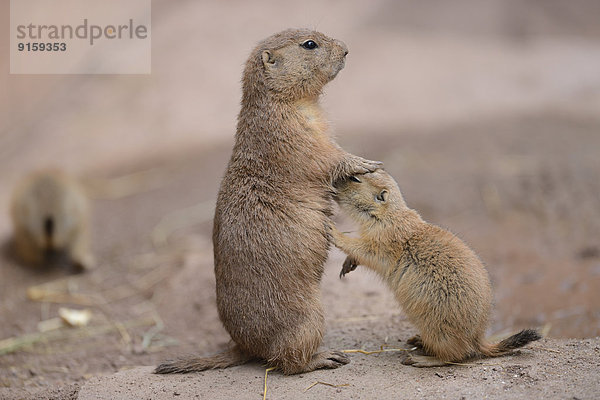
50	214
271	235
440	282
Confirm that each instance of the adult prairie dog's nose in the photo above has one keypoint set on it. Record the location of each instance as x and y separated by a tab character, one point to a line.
343	46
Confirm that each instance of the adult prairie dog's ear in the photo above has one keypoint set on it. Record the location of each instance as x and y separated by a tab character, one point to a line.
382	196
267	58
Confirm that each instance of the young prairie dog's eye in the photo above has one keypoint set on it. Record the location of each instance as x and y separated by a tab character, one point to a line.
309	45
354	179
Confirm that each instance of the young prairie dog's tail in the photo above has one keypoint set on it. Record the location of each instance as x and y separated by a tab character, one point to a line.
228	358
515	341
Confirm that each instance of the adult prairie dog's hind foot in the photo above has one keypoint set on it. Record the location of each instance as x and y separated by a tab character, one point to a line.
329	359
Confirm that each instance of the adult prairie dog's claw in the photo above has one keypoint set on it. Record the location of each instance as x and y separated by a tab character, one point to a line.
365	166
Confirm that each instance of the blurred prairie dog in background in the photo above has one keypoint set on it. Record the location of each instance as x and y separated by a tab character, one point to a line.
50	214
438	280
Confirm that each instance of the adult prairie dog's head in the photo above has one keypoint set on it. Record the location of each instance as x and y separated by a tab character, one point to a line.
293	65
369	197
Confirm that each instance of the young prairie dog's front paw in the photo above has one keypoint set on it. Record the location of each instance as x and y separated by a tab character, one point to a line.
336	235
350	264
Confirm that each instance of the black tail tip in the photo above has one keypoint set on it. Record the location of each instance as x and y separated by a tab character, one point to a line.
526	336
166	368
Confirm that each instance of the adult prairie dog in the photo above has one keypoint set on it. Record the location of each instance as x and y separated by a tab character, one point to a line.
440	282
50	215
271	235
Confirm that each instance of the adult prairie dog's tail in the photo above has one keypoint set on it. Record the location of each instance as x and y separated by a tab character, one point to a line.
228	358
515	341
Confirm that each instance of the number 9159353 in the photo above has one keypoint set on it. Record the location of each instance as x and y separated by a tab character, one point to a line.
48	46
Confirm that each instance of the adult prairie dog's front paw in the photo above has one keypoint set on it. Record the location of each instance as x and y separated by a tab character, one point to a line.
362	166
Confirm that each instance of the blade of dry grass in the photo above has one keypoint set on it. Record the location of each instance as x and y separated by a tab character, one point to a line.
326	384
265	387
16	343
381	350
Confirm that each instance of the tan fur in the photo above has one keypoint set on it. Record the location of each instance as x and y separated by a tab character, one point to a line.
270	232
441	284
50	214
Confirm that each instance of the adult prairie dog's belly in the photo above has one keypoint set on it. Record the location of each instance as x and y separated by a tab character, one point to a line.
274	234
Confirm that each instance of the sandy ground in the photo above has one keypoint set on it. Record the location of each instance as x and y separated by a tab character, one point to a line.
566	369
486	113
153	294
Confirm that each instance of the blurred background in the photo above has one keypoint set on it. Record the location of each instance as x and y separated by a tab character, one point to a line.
487	113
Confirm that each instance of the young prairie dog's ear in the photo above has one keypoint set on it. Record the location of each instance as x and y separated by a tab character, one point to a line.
267	58
382	196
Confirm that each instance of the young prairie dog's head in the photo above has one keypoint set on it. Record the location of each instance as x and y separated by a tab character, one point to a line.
294	64
370	196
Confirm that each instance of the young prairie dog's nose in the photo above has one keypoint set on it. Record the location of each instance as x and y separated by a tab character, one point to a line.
343	46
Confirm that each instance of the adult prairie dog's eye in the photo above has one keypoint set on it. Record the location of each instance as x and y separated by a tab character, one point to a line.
309	44
354	179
